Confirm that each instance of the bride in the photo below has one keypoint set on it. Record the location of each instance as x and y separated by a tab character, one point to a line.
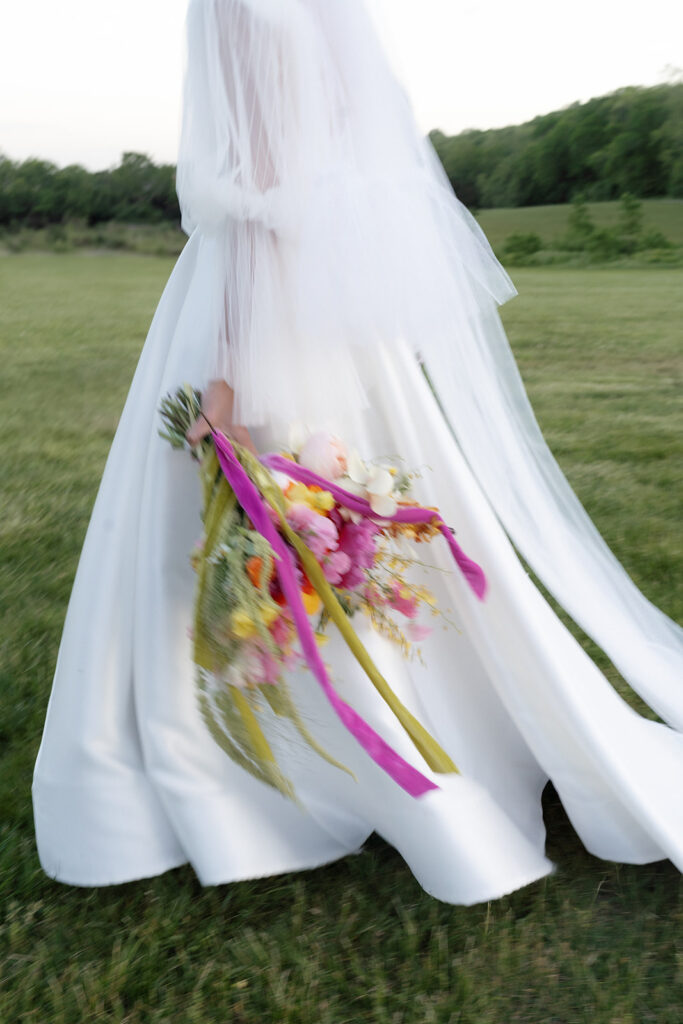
332	277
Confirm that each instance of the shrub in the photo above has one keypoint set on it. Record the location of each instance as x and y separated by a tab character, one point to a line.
521	245
653	239
630	226
604	244
57	239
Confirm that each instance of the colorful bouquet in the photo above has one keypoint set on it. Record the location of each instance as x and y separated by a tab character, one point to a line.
293	543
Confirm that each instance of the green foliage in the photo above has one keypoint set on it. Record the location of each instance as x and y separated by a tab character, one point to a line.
583	238
627	141
655	240
148	239
630	226
580	227
603	245
521	244
356	941
630	216
36	193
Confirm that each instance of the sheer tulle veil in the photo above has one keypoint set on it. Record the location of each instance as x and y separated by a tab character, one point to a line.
335	235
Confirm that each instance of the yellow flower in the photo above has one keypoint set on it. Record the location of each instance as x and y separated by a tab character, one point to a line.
242	625
323	501
312	602
423	594
269	613
319	501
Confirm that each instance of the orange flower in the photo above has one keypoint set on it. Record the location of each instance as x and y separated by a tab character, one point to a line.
254	567
307	587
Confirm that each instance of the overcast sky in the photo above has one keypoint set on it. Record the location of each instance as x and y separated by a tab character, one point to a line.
82	81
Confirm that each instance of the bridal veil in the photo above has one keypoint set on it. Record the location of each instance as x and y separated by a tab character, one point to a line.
336	230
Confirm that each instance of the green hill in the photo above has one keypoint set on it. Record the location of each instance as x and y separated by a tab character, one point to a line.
665	215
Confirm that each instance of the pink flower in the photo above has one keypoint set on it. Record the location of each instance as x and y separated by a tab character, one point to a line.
357	540
281	630
335	565
335	516
374	596
258	666
416	632
325	455
270	668
402	600
319	532
353	578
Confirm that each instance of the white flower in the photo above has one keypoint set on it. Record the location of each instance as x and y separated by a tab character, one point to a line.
281	479
356	468
299	433
374	483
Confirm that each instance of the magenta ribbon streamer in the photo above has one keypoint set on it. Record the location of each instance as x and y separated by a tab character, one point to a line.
472	572
255	507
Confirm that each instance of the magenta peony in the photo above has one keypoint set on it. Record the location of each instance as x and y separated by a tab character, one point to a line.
357	540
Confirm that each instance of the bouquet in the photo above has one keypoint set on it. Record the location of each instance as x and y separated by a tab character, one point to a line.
291	544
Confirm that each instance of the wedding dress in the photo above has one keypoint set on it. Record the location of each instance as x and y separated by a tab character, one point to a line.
328	266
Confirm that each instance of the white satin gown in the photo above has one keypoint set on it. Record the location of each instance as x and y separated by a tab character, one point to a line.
129	784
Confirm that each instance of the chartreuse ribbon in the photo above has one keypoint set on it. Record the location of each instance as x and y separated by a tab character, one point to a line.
437	758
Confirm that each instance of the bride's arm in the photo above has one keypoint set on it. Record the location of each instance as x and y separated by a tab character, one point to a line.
239	113
233	60
218	402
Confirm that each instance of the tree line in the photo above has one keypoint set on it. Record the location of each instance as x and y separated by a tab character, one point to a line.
630	141
36	193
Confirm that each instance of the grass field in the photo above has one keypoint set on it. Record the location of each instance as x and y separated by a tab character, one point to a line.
358	941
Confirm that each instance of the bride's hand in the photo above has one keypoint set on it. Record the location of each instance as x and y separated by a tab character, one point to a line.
218	402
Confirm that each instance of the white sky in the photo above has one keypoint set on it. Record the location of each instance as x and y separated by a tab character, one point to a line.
82	81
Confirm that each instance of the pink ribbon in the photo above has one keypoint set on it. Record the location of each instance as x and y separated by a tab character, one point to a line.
472	572
253	504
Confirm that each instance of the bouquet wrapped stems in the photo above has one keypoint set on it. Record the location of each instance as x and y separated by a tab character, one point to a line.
437	759
245	742
255	566
252	499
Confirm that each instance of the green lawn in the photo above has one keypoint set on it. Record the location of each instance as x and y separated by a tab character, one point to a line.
359	940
